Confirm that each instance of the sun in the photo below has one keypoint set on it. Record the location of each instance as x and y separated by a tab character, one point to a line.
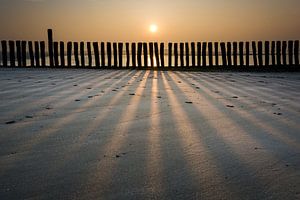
153	28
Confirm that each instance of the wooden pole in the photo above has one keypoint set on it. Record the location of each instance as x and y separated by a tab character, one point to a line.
187	54
133	54
55	54
89	51
120	48
162	54
151	49
234	53
176	54
127	54
108	54
296	52
198	54
145	48
290	52
31	55
69	54
43	53
229	57
156	54
170	45
115	52
216	44
241	53
19	53
102	49
193	49
139	54
278	52
247	54
254	53
181	54
223	51
76	56
273	47
12	53
4	53
260	53
24	53
96	54
62	54
267	53
50	46
204	45
284	46
210	54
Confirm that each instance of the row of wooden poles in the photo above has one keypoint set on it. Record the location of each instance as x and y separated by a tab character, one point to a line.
232	54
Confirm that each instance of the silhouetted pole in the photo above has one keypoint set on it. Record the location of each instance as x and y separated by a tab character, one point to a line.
120	47
69	54
162	54
31	55
82	56
19	53
247	54
234	45
229	57
241	53
267	53
12	53
55	53
290	51
50	46
273	47
193	49
223	52
296	52
260	53
210	54
24	53
62	54
102	49
76	56
181	54
115	50
254	53
151	52
170	45
108	54
139	54
176	54
89	51
278	52
4	53
156	51
96	54
198	54
127	55
145	48
187	54
284	46
43	53
216	44
204	45
133	54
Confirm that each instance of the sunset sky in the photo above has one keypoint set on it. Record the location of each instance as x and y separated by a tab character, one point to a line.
130	20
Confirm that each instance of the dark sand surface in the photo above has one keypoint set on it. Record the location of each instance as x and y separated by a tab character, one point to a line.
128	134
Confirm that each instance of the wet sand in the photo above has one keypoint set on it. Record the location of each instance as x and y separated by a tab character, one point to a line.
129	134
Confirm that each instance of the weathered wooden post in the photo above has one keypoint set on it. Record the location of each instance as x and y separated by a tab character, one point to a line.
260	53
69	54
120	47
181	54
151	52
241	53
193	49
216	44
24	53
162	54
234	53
254	53
43	53
76	56
4	53
62	54
139	54
115	52
267	53
176	54
198	54
210	54
50	47
127	54
145	47
102	49
108	48
96	54
229	57
19	53
204	45
290	52
296	52
284	46
55	54
133	54
31	55
12	56
278	52
247	54
156	54
273	47
89	51
170	45
187	54
223	51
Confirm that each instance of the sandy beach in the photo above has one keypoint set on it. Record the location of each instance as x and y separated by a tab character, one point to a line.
134	134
